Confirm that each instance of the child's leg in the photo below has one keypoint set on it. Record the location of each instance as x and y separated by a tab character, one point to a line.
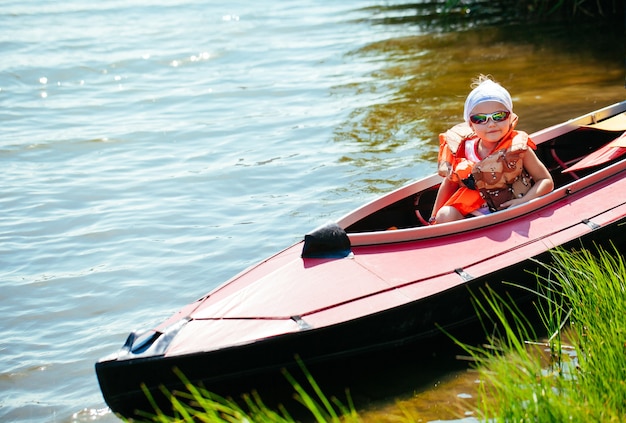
448	214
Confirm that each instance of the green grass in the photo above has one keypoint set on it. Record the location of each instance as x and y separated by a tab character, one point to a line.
554	381
577	374
199	405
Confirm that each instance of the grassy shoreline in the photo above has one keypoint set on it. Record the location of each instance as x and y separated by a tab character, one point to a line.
542	9
579	373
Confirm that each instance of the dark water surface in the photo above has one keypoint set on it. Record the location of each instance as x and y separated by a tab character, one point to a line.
150	151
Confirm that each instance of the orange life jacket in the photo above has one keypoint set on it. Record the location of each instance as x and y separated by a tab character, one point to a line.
501	174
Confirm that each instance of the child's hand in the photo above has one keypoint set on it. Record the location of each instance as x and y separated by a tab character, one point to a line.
511	203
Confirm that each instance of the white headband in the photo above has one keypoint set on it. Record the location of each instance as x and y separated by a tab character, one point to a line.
487	91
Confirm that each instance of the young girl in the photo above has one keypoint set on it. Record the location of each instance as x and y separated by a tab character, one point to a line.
486	163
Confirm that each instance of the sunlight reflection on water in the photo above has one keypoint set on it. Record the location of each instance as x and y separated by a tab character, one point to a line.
152	151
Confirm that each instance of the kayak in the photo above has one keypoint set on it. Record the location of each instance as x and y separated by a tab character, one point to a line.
380	278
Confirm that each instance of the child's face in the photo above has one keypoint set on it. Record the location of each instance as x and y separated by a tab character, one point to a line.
493	129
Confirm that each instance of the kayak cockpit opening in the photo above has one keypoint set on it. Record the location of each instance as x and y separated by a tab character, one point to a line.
409	212
411	208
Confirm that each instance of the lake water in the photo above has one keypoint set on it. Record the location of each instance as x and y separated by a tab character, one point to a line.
151	149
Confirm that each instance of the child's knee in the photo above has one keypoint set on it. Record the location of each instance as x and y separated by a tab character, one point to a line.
448	214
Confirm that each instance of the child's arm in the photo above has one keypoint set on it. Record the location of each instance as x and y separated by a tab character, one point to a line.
543	180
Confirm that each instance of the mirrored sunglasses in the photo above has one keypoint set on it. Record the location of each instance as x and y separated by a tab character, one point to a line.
482	118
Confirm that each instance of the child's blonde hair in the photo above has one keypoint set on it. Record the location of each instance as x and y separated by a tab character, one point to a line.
480	79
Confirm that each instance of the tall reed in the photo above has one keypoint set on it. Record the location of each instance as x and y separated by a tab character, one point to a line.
584	303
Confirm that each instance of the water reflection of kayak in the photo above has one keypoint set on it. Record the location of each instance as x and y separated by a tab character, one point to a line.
380	278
